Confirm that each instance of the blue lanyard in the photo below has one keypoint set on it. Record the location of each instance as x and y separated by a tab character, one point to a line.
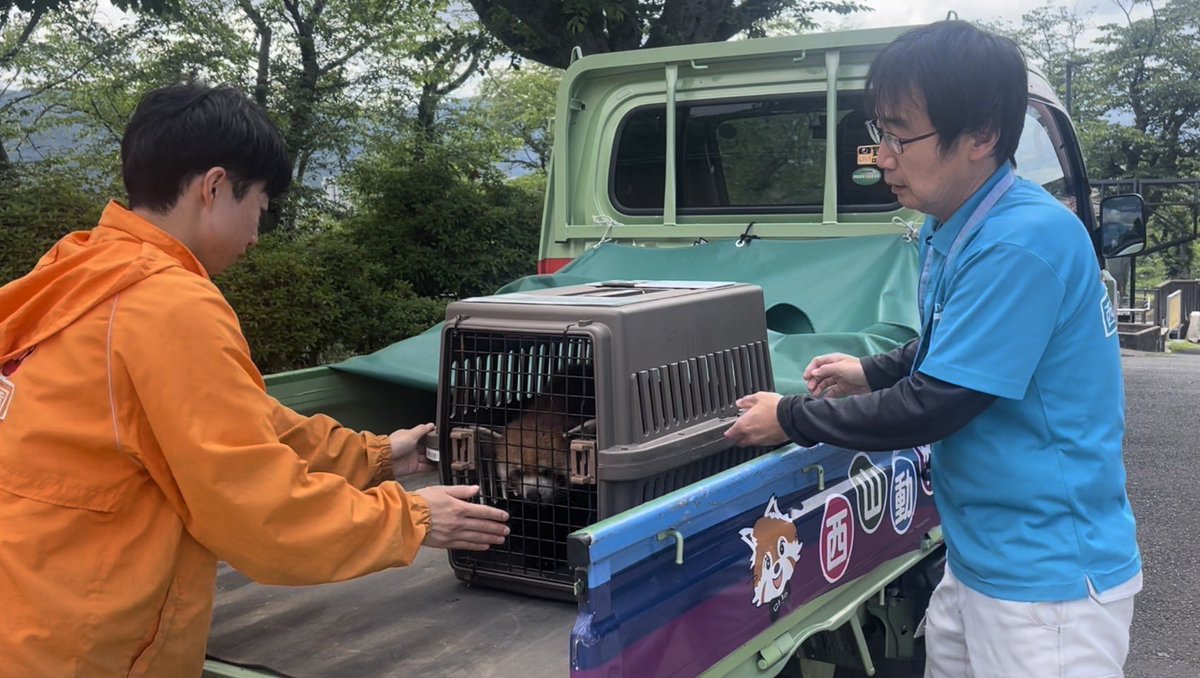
928	320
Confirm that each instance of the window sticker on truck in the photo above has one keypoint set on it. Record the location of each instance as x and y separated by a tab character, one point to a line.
866	176
868	155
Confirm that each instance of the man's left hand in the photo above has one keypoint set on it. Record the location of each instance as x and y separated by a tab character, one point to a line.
408	454
758	426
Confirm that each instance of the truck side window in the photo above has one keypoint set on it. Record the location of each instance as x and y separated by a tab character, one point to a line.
1041	157
755	155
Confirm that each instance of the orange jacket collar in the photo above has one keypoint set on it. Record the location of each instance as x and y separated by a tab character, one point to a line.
82	270
117	216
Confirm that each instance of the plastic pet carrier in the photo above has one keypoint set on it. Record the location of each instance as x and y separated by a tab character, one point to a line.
572	404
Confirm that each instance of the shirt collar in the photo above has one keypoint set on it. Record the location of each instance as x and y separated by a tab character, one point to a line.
118	217
945	233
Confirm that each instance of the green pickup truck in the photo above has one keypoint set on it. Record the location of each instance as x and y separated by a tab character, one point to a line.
717	190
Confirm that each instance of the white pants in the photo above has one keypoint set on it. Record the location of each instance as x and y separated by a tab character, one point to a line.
970	635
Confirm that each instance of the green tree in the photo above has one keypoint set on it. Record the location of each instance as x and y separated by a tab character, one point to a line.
315	60
1148	67
1148	71
1052	37
1136	101
20	47
515	108
449	229
319	68
546	31
39	204
84	76
452	52
313	298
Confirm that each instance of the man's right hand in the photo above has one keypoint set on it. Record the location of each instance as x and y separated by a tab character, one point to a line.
834	375
455	523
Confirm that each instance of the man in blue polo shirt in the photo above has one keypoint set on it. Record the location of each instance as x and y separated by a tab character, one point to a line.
1017	373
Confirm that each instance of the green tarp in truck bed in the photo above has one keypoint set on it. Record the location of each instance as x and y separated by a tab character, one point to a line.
853	295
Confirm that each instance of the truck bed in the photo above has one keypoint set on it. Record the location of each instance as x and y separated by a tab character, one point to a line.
413	621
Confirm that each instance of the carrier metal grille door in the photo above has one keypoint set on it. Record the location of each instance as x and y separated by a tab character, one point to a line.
521	410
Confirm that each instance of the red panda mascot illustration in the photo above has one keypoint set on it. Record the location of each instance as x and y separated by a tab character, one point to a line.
776	550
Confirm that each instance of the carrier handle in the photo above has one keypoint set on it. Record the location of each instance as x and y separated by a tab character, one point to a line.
430	442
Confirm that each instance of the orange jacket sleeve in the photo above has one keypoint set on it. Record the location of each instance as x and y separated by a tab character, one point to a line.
209	441
363	459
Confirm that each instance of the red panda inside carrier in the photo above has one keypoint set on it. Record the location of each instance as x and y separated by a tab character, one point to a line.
572	404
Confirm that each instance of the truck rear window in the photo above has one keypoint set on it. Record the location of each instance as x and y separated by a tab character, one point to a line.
755	155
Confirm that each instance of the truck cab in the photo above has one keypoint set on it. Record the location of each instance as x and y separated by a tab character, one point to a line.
768	132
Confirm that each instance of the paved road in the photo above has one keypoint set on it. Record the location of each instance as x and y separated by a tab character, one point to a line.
1162	455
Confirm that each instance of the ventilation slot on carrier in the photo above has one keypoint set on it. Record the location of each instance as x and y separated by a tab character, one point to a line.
680	393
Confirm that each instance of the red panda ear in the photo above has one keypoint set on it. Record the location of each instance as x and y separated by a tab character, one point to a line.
747	535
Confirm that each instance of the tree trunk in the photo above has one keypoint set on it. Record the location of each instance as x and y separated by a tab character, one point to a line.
305	97
263	79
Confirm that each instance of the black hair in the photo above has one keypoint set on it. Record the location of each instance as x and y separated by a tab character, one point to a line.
182	131
970	80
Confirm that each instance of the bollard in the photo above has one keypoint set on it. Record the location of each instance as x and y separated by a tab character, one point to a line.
1193	333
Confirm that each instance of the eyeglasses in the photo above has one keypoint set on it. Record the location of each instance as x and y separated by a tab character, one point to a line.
894	143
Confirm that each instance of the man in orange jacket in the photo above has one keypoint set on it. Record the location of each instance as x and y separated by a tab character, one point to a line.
137	441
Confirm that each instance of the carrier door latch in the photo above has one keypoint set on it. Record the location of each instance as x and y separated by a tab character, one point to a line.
462	449
582	462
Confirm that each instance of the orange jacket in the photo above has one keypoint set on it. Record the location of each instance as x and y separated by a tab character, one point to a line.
140	446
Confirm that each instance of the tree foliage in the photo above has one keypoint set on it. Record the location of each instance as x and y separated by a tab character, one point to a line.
448	229
39	204
452	49
314	298
314	65
83	76
546	31
20	19
515	110
1135	98
1134	93
1146	68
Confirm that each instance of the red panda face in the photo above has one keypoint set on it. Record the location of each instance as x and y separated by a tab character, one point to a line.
776	550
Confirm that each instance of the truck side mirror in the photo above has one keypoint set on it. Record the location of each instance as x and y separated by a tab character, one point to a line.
1122	225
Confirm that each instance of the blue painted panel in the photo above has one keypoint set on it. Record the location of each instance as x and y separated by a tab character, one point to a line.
759	541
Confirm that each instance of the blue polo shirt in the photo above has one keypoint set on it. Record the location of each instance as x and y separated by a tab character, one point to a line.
1032	491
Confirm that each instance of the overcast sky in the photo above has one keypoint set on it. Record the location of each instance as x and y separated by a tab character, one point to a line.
906	12
910	12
